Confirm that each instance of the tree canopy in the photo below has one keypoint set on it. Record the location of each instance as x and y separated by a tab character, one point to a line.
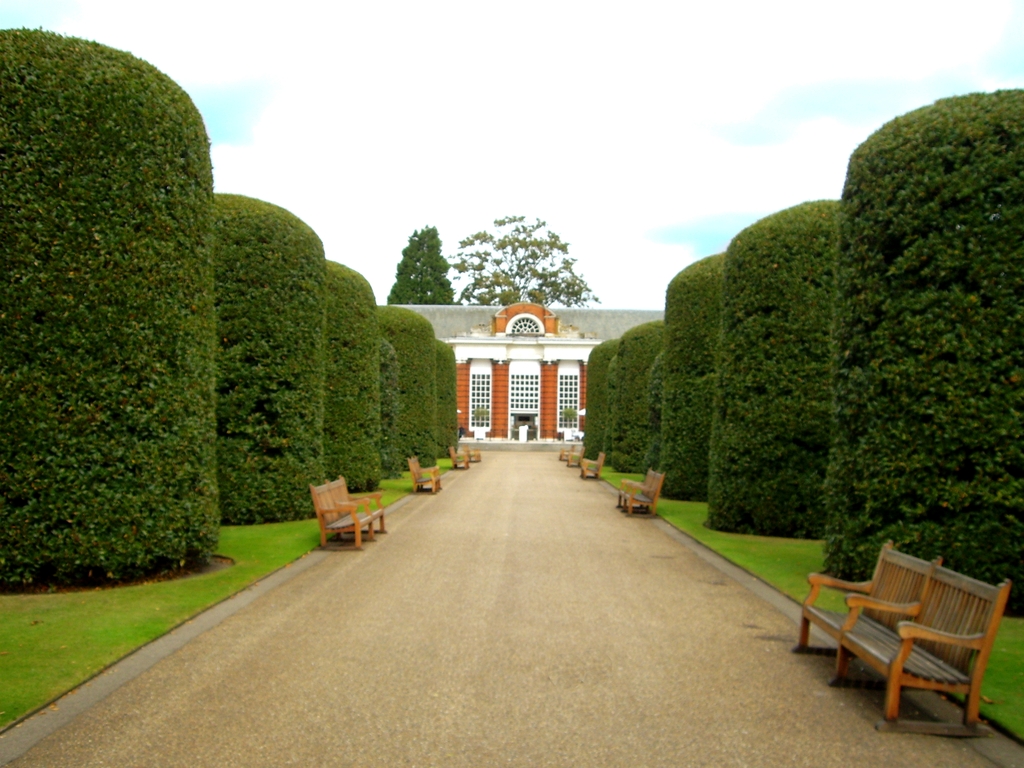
517	263
422	274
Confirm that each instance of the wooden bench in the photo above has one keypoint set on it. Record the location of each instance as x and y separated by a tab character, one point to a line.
944	647
634	495
474	454
575	456
899	579
567	451
421	478
339	490
337	517
590	468
460	460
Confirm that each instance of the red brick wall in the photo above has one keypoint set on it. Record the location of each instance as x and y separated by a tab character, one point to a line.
549	400
499	400
462	394
583	395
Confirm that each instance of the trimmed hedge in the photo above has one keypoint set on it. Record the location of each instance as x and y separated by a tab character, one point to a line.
693	327
655	396
392	463
447	404
352	381
629	437
597	394
412	336
611	390
106	316
929	385
772	420
271	276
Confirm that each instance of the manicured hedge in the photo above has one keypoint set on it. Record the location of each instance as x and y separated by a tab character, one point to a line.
447	404
693	326
412	336
929	386
271	276
352	382
106	316
655	396
392	463
630	434
597	403
611	390
772	421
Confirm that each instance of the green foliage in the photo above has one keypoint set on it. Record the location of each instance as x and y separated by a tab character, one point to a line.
629	437
929	382
412	336
422	274
519	264
772	423
106	316
352	382
597	397
611	398
693	327
655	395
271	276
391	460
447	404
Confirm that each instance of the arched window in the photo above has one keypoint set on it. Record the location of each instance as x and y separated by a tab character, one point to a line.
525	324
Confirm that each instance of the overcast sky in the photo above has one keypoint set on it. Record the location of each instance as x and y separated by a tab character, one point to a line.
645	134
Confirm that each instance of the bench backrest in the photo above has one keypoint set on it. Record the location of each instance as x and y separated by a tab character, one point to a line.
451	454
600	461
339	490
652	485
899	578
326	502
964	606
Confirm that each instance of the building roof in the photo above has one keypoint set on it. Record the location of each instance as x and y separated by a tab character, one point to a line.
456	320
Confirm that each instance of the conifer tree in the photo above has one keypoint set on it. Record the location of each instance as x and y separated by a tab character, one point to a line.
422	274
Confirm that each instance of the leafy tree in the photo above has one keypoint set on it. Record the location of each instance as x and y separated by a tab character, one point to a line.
422	274
519	264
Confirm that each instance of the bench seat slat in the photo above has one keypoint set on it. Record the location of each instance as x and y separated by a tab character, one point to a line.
872	638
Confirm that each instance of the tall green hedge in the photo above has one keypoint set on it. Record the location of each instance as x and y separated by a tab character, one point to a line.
629	437
412	336
693	326
106	316
611	397
597	392
772	422
655	397
929	385
392	463
352	381
270	282
447	404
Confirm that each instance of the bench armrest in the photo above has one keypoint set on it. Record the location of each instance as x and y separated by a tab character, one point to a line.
365	498
819	580
863	601
630	485
908	630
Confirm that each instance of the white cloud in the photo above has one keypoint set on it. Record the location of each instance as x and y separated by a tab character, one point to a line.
604	119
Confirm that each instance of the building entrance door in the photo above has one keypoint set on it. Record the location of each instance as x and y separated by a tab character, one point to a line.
528	420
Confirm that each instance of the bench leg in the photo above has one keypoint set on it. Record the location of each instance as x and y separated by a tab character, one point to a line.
892	697
843	657
359	536
381	528
805	633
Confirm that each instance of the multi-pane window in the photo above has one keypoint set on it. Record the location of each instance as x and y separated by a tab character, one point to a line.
568	397
480	400
524	392
525	324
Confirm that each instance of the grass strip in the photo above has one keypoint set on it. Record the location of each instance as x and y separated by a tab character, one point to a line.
785	563
51	643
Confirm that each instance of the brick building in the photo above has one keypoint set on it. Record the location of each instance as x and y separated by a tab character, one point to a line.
525	365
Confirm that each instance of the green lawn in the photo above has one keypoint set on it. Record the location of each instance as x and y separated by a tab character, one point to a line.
50	643
785	563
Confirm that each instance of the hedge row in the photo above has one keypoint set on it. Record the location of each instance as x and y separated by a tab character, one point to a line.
693	324
629	436
929	384
412	336
447	404
597	397
352	415
270	369
107	322
392	463
655	397
771	422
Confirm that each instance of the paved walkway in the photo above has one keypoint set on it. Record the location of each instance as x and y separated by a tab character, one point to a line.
516	618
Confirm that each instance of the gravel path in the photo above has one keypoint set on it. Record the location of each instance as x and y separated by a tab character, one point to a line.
516	618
